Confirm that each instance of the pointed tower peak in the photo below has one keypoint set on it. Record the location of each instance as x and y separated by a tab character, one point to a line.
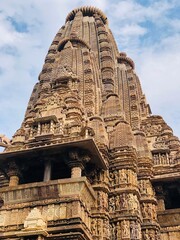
79	14
87	11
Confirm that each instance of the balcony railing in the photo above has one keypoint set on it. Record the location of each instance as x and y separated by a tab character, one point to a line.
55	189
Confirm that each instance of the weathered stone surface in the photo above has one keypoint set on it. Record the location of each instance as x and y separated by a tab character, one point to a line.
90	161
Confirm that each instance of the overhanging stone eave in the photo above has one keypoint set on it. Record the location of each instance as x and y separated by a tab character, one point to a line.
48	150
163	177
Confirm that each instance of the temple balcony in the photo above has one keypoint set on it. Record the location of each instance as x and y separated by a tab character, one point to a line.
49	185
59	203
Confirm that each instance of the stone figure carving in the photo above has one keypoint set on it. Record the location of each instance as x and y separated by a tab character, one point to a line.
111	178
142	187
157	235
117	202
154	214
130	202
112	204
125	229
34	131
93	227
136	204
113	231
102	199
148	211
156	159
123	176
132	230
45	128
58	128
99	227
137	231
116	177
146	235
106	228
123	200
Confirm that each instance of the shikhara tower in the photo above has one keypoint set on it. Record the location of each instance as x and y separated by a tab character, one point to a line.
89	160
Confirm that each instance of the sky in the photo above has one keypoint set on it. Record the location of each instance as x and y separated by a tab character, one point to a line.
147	30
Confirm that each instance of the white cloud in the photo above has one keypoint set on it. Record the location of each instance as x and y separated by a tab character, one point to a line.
132	11
157	56
158	68
133	30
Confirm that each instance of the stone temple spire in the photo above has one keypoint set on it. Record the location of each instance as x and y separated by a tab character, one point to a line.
89	161
83	63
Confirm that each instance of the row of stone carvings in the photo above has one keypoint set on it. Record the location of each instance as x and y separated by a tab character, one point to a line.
126	176
164	159
124	229
124	201
151	129
149	211
145	188
131	230
123	176
48	128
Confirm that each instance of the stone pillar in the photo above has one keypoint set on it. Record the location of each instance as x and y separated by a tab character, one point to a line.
39	128
76	162
14	181
31	132
160	204
52	126
76	172
149	209
124	205
40	237
47	171
13	174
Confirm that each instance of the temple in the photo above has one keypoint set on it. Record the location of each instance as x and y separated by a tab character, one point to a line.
90	161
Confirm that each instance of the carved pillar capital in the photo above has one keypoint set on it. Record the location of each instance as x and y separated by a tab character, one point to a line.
76	161
40	237
12	169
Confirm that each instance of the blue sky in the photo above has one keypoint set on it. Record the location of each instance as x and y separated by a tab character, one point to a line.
148	31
